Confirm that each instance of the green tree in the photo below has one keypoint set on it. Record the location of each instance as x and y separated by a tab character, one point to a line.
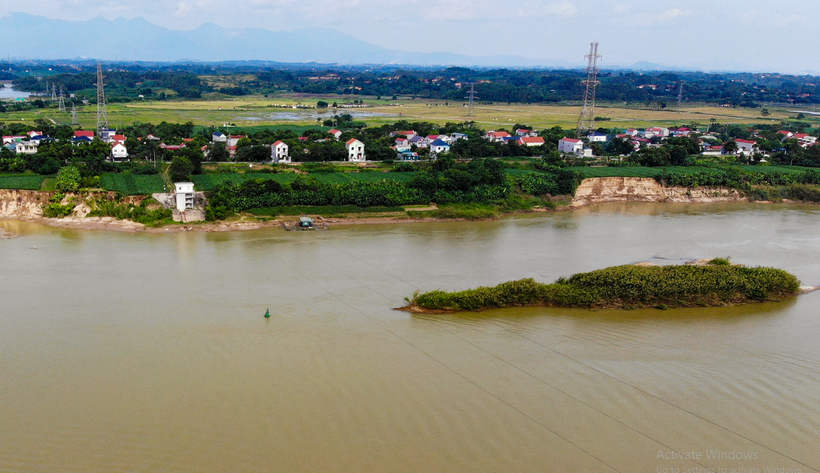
181	169
218	152
68	179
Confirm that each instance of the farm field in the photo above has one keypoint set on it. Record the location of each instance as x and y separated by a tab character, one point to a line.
20	181
131	184
206	182
258	111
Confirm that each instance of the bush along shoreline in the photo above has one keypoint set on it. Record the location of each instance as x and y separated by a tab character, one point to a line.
624	287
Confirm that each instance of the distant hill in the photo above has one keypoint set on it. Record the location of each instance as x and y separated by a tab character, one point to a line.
35	37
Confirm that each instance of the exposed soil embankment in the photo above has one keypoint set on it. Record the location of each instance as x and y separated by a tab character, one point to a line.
22	205
600	190
28	206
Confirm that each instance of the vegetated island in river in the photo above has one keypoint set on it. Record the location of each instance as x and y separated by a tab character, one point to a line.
709	284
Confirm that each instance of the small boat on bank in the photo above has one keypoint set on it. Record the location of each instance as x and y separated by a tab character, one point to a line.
304	224
267	313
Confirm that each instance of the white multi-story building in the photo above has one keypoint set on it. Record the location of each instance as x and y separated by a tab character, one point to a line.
185	195
119	152
279	152
355	150
570	146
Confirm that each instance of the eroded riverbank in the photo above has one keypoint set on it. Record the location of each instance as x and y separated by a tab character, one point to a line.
27	206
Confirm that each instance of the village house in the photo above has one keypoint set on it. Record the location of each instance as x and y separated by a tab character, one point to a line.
355	150
119	152
172	147
418	141
597	137
336	134
279	152
407	156
531	141
746	147
496	136
218	137
83	136
233	140
570	146
402	144
13	139
117	139
525	132
805	139
439	147
26	147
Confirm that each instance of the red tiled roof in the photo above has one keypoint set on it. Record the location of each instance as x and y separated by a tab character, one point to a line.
351	141
87	133
745	141
533	139
277	143
571	140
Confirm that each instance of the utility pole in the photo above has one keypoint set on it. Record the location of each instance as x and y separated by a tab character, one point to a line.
102	115
586	121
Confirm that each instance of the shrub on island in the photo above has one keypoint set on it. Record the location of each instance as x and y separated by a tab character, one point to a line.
621	287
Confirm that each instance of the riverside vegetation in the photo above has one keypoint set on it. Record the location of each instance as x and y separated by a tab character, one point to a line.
625	287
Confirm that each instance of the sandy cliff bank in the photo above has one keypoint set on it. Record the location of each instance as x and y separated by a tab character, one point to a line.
639	189
27	206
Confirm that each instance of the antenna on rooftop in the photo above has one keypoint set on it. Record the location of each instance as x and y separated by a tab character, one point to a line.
471	103
586	121
680	95
102	115
61	103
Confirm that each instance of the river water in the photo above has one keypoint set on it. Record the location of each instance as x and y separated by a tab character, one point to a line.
146	352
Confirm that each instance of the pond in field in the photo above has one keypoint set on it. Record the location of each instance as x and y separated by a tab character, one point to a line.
8	92
150	352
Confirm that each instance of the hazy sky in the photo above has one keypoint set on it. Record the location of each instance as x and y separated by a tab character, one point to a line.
718	34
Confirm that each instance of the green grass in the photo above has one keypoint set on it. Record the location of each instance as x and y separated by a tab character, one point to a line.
325	210
472	211
21	181
133	184
207	182
626	287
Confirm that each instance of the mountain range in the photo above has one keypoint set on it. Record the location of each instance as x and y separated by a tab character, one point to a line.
28	36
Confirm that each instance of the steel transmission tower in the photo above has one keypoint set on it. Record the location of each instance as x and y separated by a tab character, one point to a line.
61	103
680	95
53	91
471	103
102	115
586	121
74	120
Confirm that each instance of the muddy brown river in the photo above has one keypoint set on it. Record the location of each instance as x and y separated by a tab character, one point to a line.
142	352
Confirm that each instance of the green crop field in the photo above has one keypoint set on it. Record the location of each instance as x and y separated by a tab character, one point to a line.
131	184
206	182
24	182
